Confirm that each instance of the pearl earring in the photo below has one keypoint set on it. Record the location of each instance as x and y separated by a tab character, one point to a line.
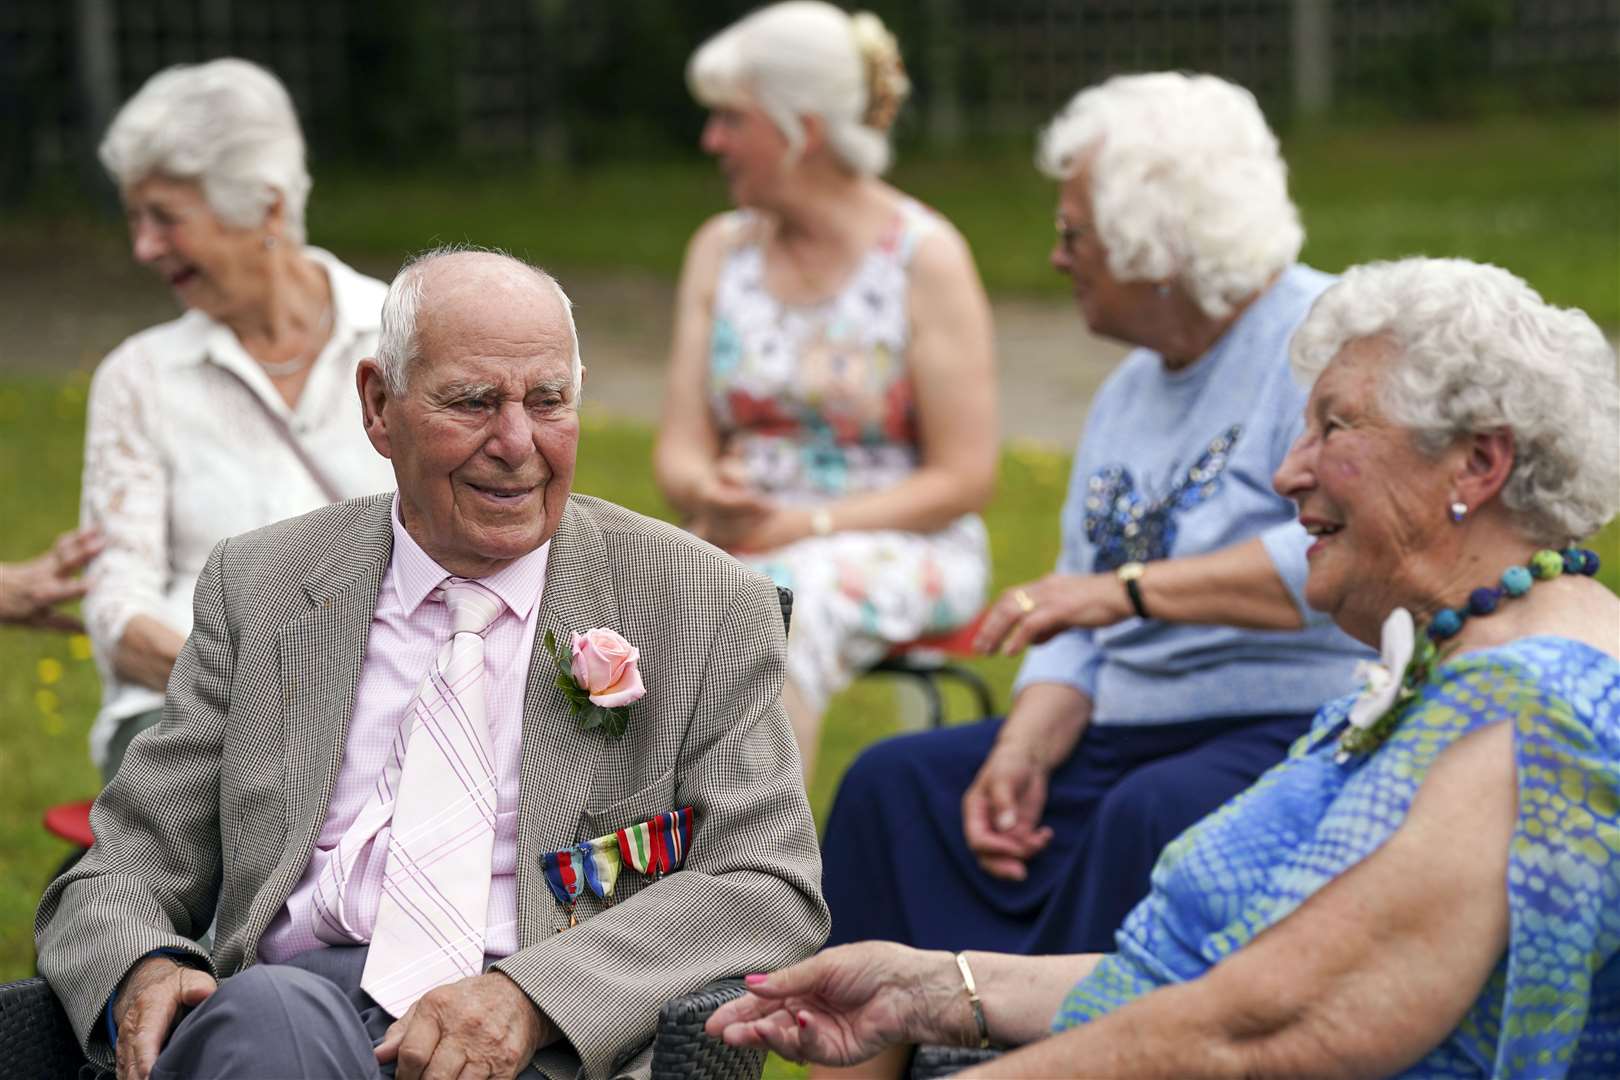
1459	511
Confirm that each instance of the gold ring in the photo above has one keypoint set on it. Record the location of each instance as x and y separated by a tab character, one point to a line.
1025	604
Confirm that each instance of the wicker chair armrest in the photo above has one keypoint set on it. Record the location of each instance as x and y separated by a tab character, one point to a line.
681	1051
36	1040
935	1061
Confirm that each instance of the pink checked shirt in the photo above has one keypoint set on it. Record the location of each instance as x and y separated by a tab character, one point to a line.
407	631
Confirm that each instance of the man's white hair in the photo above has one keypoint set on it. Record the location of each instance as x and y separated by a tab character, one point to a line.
791	59
1186	183
228	125
398	345
1478	350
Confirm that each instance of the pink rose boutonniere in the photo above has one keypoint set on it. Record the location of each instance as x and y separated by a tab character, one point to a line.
600	678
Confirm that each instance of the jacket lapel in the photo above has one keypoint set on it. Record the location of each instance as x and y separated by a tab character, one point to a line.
559	760
321	654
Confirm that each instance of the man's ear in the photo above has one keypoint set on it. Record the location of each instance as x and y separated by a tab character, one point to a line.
374	401
1486	464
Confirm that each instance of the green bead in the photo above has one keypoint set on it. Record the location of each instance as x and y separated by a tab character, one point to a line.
1546	564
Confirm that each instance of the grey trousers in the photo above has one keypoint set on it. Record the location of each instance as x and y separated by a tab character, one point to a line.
305	1018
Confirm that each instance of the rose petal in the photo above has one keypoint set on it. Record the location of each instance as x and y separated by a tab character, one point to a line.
600	657
623	692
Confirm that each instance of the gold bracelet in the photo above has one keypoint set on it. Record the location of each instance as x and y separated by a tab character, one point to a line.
821	521
973	1000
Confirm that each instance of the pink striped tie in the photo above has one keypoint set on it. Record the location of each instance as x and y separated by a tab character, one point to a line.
435	896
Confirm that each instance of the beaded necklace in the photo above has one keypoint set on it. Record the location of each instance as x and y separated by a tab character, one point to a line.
1387	700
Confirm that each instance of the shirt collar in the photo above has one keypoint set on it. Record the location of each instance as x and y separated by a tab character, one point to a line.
416	575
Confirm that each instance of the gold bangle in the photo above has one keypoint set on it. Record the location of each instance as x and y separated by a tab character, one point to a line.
972	992
821	522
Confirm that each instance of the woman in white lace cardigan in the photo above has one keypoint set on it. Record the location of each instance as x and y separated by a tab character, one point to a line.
240	412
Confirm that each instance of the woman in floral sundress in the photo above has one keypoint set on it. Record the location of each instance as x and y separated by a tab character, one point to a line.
830	409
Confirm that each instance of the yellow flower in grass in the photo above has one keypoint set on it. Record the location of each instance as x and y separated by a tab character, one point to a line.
49	671
79	647
47	701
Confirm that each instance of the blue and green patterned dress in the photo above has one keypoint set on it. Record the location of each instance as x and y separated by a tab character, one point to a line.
1552	1006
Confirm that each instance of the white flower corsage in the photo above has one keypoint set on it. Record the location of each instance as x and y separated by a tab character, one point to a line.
1388	683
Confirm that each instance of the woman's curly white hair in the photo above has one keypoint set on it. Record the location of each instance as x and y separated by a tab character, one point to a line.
1186	183
807	57
1478	350
230	126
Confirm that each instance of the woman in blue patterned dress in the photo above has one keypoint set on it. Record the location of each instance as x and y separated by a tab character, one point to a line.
830	414
1428	885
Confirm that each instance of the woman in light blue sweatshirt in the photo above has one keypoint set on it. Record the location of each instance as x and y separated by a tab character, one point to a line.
1174	657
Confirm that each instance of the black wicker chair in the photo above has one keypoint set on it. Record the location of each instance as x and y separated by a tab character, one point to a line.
37	1043
931	1062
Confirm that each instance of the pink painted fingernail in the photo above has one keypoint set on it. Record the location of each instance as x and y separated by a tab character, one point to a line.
755	979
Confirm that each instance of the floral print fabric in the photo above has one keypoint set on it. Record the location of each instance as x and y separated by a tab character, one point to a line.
816	402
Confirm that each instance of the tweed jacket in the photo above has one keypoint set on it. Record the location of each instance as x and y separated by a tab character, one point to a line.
216	810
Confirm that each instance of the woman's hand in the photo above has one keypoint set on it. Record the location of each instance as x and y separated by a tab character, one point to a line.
1031	613
1001	810
146	652
724	509
30	591
844	1005
779	527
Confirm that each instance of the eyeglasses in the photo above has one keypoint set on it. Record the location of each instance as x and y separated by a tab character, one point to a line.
1070	234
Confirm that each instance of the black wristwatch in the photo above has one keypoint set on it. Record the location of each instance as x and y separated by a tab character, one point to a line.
1130	574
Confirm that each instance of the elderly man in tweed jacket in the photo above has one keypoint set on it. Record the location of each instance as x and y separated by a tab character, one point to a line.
264	799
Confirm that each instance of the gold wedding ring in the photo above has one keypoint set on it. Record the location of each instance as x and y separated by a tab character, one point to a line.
1025	604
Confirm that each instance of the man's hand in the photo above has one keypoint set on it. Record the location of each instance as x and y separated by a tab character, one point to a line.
482	1026
1001	810
149	1002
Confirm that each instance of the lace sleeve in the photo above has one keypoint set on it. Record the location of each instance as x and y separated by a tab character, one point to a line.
125	496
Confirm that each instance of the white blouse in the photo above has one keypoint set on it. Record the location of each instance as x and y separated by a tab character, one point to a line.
187	443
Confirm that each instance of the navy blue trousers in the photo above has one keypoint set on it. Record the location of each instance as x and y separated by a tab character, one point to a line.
895	865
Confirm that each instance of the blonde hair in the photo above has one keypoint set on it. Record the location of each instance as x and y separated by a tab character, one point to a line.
805	56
